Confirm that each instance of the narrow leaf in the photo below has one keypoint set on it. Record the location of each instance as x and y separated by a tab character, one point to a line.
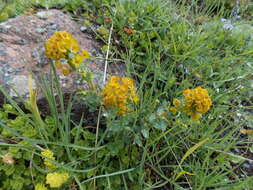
192	149
247	131
179	174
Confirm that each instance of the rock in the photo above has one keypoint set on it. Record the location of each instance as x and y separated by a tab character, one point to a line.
22	50
20	84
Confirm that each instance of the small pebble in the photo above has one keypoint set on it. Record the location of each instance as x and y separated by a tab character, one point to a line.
246	165
223	20
228	26
83	28
34	54
238	114
237	150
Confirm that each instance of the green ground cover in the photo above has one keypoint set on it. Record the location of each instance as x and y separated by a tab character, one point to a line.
167	47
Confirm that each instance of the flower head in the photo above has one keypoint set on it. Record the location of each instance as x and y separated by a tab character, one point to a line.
56	179
118	93
197	102
40	186
48	154
64	49
60	44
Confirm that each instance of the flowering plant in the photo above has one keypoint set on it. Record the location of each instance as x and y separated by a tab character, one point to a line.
64	50
119	93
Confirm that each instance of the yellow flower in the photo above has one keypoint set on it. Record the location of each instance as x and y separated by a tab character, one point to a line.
173	109
59	44
197	102
85	54
62	45
48	154
58	64
56	179
40	186
77	60
118	93
176	103
65	70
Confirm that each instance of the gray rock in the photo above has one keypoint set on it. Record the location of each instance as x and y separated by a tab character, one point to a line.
20	84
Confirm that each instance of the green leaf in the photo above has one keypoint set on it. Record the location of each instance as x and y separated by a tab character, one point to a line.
137	140
161	124
145	133
9	169
192	149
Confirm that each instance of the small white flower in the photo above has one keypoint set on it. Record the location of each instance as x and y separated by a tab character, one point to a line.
223	20
228	26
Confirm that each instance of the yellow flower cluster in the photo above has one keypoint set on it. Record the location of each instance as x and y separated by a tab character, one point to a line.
118	93
56	179
197	102
40	186
60	44
48	154
64	49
